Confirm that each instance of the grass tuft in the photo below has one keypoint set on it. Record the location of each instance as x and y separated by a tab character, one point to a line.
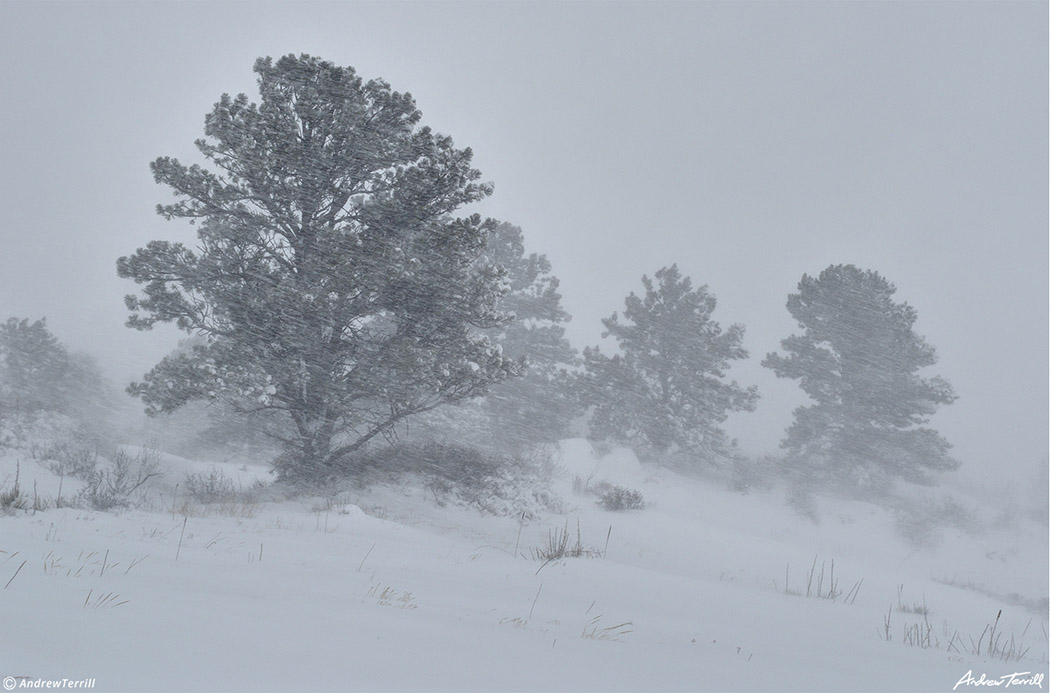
13	499
558	546
822	585
592	631
991	643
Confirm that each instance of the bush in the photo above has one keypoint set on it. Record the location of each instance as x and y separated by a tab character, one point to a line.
214	492
801	500
922	522
465	475
110	482
13	499
619	498
213	487
747	474
66	459
113	483
610	497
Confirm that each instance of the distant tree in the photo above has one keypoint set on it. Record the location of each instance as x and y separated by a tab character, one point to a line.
38	374
859	358
34	368
539	406
667	390
330	279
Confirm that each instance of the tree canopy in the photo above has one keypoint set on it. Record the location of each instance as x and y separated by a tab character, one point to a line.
330	280
858	358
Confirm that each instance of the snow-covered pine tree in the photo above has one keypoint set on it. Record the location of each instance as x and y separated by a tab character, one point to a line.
38	374
330	279
35	369
538	407
667	390
859	359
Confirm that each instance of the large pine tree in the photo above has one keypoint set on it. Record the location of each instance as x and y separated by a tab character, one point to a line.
331	281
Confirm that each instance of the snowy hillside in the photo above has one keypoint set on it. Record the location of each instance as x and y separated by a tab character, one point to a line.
384	589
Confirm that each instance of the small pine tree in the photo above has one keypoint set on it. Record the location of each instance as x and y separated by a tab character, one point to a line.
38	374
667	391
537	407
34	368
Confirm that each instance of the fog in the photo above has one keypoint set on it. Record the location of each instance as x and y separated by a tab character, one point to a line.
748	143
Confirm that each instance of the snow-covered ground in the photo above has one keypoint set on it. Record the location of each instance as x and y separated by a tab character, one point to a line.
384	589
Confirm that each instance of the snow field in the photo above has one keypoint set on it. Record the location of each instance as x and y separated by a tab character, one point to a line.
380	589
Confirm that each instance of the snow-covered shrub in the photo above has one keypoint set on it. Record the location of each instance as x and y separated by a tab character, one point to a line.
63	445
211	487
12	499
71	460
619	498
111	481
115	482
610	496
748	474
588	486
496	484
213	492
801	500
922	521
465	475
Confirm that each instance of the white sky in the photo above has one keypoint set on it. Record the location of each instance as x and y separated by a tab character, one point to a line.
748	142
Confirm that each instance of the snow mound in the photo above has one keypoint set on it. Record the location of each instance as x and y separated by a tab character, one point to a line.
34	477
174	470
580	459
